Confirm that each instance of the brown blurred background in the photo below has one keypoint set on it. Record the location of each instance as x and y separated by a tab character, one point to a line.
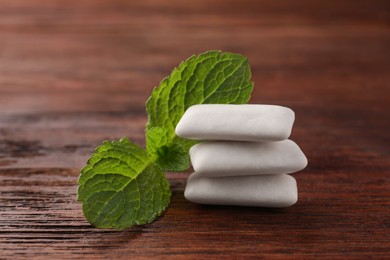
73	73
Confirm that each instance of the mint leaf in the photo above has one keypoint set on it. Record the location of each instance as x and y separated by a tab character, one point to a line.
212	77
121	187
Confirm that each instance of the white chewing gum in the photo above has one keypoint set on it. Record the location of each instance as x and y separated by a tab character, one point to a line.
276	191
257	123
219	159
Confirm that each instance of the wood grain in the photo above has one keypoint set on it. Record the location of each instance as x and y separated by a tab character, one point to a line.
74	73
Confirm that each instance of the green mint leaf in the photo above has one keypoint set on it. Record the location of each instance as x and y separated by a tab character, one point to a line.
212	77
120	186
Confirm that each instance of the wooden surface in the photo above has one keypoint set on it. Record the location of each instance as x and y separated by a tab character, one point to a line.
74	73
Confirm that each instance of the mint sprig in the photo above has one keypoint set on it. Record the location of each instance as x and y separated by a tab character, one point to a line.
124	185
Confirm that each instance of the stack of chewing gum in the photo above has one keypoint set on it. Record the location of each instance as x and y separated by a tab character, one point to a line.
245	157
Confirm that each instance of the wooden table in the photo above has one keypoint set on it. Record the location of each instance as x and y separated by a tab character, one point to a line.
74	73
